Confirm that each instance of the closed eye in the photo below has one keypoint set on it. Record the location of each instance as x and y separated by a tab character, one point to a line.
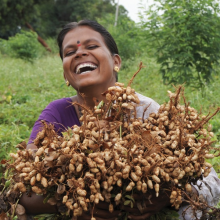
70	53
91	47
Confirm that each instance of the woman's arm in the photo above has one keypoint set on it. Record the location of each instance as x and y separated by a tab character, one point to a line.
31	146
34	204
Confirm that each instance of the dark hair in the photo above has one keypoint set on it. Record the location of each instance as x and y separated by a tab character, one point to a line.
109	41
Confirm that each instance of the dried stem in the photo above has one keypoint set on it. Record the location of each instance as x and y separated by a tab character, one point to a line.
140	67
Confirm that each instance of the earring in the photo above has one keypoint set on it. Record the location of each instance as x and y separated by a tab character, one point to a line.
67	83
116	69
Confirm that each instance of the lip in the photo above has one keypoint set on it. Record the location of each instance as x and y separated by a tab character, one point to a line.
89	62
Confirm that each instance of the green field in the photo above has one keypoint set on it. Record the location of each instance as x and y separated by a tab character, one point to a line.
27	88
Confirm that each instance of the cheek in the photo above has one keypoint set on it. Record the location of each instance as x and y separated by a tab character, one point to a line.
108	61
65	63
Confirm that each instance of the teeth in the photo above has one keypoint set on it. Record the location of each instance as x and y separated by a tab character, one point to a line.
86	71
85	65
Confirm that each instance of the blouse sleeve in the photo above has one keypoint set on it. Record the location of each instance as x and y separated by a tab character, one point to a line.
61	113
49	115
209	191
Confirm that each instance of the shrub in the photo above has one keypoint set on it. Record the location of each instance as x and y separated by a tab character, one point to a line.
24	45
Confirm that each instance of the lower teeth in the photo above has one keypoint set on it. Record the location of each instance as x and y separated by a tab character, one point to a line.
86	71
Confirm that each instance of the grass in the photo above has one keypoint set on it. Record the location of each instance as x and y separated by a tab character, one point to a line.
25	90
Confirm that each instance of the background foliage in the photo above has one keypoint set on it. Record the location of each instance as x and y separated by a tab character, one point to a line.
14	14
186	38
48	16
24	45
126	34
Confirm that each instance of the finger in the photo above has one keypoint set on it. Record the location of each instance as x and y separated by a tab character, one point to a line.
139	210
141	196
105	214
140	217
86	216
102	205
129	209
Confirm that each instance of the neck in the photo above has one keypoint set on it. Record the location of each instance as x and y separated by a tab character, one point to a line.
90	97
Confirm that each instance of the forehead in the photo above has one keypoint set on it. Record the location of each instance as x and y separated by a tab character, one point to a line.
82	33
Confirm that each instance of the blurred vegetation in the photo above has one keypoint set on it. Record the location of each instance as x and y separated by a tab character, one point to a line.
186	37
26	88
48	16
126	35
24	45
14	15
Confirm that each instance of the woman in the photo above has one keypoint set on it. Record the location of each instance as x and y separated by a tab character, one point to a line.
90	64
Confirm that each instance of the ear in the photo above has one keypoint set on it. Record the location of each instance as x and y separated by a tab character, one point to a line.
117	60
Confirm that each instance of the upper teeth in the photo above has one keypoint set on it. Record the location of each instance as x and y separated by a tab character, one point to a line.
85	65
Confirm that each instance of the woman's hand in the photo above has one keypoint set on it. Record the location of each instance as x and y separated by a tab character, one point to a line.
147	204
101	212
31	146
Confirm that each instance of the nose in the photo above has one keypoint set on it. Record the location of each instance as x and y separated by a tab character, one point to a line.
81	52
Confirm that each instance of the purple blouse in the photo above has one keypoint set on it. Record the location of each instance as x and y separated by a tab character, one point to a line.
61	113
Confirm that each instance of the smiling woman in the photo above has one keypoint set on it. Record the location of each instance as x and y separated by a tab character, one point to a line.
90	65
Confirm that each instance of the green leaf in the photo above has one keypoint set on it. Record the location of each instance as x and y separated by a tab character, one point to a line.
100	104
127	202
129	197
46	199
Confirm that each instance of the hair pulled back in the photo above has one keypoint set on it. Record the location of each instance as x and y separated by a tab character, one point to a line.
108	39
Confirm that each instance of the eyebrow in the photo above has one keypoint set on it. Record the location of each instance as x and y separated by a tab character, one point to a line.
85	42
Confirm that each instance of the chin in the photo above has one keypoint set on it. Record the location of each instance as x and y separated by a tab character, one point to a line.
85	86
92	87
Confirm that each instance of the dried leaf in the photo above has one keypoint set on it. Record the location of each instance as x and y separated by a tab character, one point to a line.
146	135
52	201
102	124
52	155
19	210
3	216
105	145
94	146
70	183
22	145
61	189
3	161
154	149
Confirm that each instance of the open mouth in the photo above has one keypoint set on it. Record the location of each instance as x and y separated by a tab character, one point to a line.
85	68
